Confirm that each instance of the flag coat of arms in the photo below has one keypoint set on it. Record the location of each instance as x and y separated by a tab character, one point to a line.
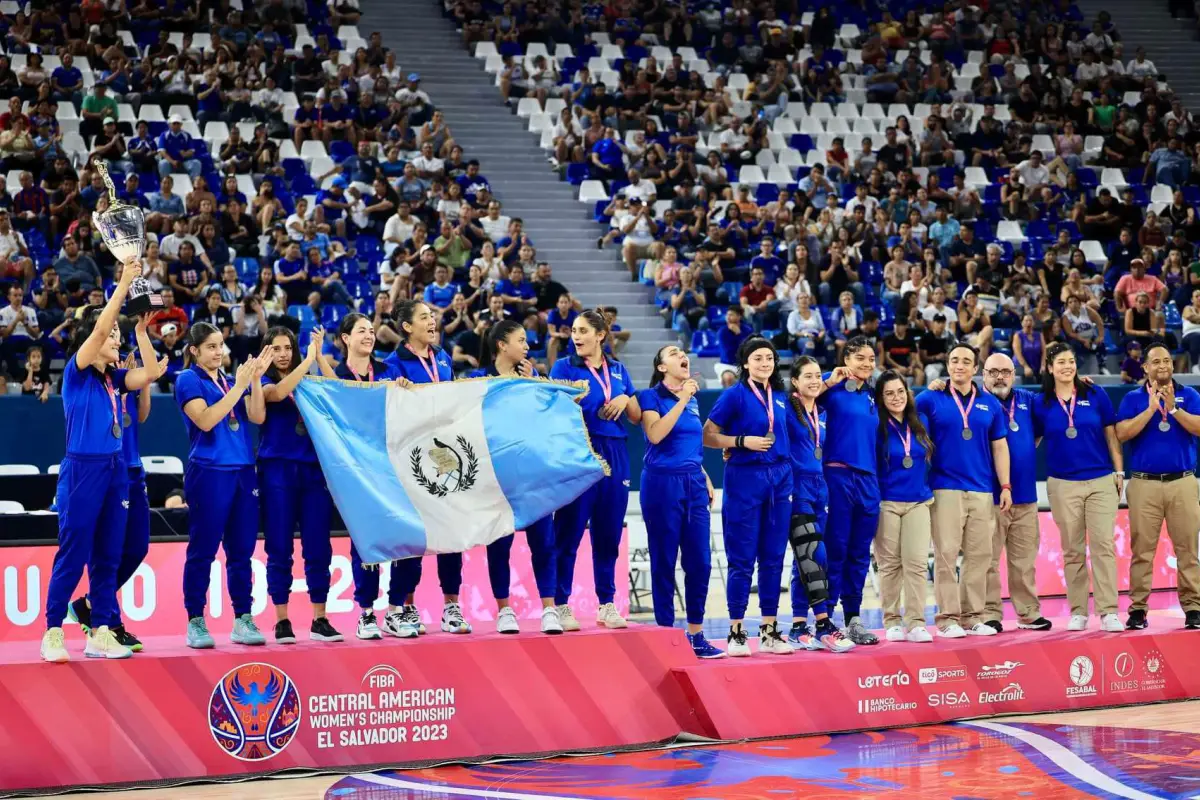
444	467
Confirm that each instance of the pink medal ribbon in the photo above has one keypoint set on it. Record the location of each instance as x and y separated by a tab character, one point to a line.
113	399
966	413
906	440
233	420
605	382
431	372
814	422
769	404
357	377
1070	412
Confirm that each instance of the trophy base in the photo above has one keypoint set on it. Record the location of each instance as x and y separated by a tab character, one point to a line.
143	304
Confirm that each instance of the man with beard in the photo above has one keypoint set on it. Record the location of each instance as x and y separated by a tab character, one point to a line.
1160	422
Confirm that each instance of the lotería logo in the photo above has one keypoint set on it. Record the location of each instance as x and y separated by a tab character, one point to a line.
456	471
900	678
1009	694
254	712
1081	673
941	674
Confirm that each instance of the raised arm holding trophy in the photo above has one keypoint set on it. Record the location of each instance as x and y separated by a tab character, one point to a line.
123	228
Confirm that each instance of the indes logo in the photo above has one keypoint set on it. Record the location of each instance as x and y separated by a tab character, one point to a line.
941	674
1123	665
1081	673
876	681
996	672
1011	693
254	712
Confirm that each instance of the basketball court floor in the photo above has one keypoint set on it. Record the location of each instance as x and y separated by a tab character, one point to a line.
1142	753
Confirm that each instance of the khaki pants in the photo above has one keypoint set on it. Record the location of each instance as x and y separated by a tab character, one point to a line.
902	557
962	521
1017	535
1150	504
1086	513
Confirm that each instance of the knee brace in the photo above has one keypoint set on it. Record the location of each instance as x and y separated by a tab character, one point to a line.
805	537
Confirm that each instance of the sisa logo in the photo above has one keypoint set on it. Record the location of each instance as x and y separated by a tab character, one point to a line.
949	699
941	674
877	681
1081	673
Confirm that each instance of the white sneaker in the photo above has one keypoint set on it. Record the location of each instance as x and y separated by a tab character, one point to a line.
453	620
608	617
894	634
919	636
54	647
393	624
102	644
736	644
980	629
771	642
550	621
566	618
506	621
952	631
1112	624
1079	622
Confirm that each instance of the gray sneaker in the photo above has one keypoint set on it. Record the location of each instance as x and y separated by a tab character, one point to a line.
198	636
246	632
858	633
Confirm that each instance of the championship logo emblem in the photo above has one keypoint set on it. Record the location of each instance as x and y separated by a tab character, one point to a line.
254	712
456	469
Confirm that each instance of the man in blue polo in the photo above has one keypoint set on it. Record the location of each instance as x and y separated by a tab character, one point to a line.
177	150
1160	422
1017	532
968	430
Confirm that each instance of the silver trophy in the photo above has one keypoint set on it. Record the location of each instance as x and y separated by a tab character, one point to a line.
123	229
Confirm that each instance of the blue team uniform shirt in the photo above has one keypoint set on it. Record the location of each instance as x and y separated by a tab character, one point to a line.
1157	452
738	412
1085	457
406	365
1022	447
129	435
440	296
278	438
800	438
962	465
728	343
574	368
897	483
523	290
855	422
383	371
88	410
222	447
681	450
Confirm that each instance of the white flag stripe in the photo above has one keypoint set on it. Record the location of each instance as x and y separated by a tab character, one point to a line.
450	482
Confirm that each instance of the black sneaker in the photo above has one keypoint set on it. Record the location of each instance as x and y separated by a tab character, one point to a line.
1039	624
995	625
284	633
81	612
1137	620
1191	620
127	639
322	631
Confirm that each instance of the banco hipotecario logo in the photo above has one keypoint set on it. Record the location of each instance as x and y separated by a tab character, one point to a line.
254	712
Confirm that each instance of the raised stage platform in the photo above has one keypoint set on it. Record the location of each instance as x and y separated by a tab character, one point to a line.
171	714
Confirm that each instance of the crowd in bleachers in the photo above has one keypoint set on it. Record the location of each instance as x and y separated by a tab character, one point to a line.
1009	173
289	172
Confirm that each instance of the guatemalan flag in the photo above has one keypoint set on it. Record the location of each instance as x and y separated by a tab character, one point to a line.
444	467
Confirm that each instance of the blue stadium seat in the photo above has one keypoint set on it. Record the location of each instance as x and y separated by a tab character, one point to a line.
705	345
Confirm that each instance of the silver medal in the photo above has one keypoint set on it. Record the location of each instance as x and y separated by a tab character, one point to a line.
1164	426
126	420
234	424
1013	426
300	429
770	437
116	431
907	462
967	434
1072	433
817	452
852	385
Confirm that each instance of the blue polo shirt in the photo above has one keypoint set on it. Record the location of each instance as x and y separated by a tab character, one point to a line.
1022	447
853	418
88	409
728	343
68	77
523	290
897	483
222	447
959	464
1085	457
738	412
278	438
681	450
1154	451
440	296
175	143
407	365
800	438
383	372
574	368
129	436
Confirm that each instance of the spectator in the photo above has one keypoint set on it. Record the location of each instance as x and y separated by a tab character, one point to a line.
177	150
731	336
1137	282
171	346
18	330
37	382
169	314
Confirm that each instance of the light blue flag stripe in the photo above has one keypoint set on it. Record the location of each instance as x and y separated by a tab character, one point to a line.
539	446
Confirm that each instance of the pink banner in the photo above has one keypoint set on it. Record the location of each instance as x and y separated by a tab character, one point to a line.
152	606
1050	579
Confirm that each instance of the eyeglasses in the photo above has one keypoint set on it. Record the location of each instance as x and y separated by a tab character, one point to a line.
999	373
